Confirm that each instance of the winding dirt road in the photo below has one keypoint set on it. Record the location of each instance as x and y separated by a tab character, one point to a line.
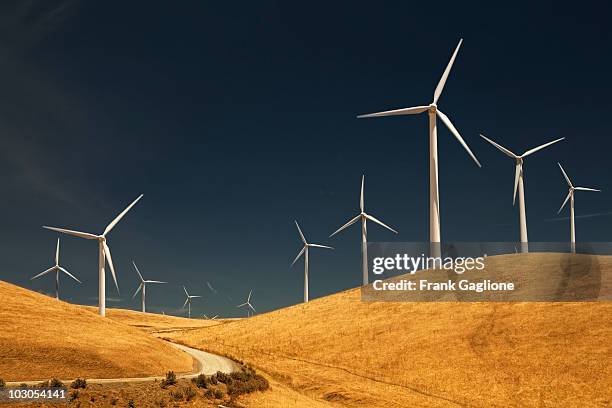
207	363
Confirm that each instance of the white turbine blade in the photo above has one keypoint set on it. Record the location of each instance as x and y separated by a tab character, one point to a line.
214	317
565	202
500	147
298	256
195	296
252	308
565	175
43	273
138	271
249	298
110	264
137	290
186	301
348	224
300	231
69	274
244	304
57	253
454	131
71	232
379	222
517	173
152	281
395	112
586	189
535	149
185	291
120	216
440	86
320	246
361	204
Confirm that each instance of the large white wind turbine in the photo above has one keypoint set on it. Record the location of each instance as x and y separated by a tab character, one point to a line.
363	217
570	196
143	287
248	303
433	112
518	182
57	268
304	251
188	300
104	251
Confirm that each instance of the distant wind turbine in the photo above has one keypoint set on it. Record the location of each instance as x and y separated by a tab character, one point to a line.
248	303
103	251
304	251
57	268
518	183
209	318
363	217
143	287
433	112
188	300
570	196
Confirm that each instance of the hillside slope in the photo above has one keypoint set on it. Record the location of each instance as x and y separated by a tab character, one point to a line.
41	337
343	351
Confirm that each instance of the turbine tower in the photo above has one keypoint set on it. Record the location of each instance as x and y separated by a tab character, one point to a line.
57	268
433	113
518	183
304	251
363	217
570	196
248	303
143	287
188	300
103	251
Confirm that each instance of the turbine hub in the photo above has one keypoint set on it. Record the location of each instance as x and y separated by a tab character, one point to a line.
433	108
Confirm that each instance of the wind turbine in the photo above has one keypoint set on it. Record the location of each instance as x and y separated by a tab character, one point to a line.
188	300
364	217
570	196
57	268
143	287
518	183
304	251
248	303
433	112
103	251
209	318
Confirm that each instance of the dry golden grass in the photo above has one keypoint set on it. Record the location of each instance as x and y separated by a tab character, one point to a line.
41	338
341	351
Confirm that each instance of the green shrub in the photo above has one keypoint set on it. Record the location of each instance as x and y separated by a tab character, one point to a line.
244	382
177	395
189	393
213	379
224	378
79	383
200	381
209	394
169	380
55	383
218	394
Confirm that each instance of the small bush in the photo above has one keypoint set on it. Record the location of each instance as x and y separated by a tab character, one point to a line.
177	395
224	378
218	394
23	385
213	379
56	383
74	395
169	380
79	383
2	383
44	384
209	394
200	381
131	404
244	382
189	393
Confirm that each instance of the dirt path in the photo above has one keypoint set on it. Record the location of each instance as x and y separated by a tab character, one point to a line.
208	364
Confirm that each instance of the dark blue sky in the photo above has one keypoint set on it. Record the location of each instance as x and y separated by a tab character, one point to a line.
235	119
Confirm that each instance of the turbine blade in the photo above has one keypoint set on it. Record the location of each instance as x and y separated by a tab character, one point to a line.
244	304
185	291
517	172
195	296
320	246
500	147
379	222
137	290
57	253
69	274
120	216
565	175
565	202
396	112
137	271
252	308
300	231
249	298
454	131
110	264
43	273
361	204
298	256
348	224
442	82
185	304
535	149
79	234
152	281
586	189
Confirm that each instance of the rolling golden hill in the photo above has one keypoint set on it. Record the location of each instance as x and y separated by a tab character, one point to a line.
340	351
41	338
